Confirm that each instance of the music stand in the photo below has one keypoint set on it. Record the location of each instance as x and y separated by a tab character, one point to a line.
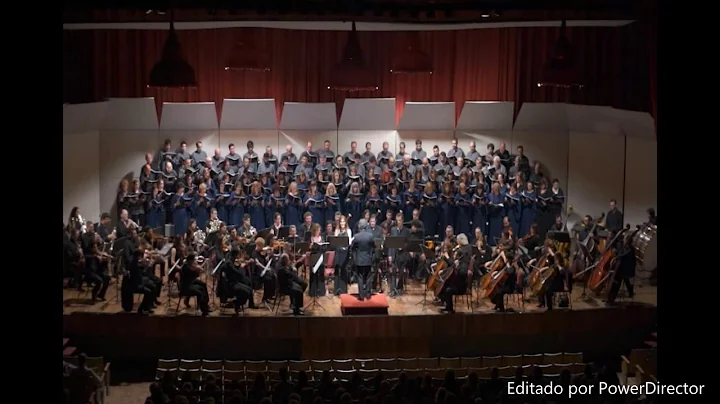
334	243
375	270
283	232
396	242
215	276
300	249
265	233
318	266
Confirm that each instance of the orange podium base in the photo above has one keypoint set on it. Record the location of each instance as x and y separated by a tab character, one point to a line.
351	306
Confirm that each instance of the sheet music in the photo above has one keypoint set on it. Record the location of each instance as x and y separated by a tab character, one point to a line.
267	268
318	263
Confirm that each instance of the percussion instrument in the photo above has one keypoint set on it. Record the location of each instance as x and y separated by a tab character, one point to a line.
645	244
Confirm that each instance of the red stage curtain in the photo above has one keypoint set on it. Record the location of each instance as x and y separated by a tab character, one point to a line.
484	64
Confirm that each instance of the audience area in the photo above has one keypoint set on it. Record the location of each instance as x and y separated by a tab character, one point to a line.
379	380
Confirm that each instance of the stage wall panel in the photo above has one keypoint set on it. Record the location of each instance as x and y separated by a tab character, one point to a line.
81	179
240	137
549	148
429	139
299	138
640	179
596	165
122	155
376	137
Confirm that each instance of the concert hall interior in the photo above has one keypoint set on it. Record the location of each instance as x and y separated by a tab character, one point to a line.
302	223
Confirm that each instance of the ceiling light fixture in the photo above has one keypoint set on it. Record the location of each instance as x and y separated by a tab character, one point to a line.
351	74
172	71
561	70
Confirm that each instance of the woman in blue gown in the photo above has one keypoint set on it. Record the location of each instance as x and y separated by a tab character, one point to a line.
496	212
156	209
255	206
373	201
429	210
528	199
447	206
479	208
179	206
293	206
236	206
463	211
314	202
393	201
513	209
354	204
202	204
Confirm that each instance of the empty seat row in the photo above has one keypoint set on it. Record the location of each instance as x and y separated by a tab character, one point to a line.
238	375
369	364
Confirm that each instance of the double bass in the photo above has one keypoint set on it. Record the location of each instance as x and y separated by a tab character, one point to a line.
543	274
496	276
606	267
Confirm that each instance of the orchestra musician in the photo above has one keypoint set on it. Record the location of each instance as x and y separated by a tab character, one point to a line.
96	263
625	267
306	225
342	277
137	282
450	276
505	246
192	286
614	218
560	281
398	258
652	217
363	246
317	249
291	284
238	283
261	257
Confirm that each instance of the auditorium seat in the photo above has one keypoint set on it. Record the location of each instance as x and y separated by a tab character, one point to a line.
460	373
342	364
98	365
255	366
512	360
364	363
482	373
386	363
368	374
210	365
448	363
491	361
276	365
427	363
535	359
506	371
552	358
572	357
234	366
436	374
407	363
320	365
343	374
414	373
471	362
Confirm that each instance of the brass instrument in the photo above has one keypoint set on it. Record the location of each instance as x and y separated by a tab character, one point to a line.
213	226
199	237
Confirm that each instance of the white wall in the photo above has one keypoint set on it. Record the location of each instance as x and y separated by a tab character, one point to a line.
376	137
81	174
596	166
640	179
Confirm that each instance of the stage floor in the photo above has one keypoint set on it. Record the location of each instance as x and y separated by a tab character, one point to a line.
410	303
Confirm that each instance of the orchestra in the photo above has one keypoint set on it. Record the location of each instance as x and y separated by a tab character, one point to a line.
257	220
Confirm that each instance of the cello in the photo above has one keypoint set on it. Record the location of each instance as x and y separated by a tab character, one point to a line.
606	266
543	270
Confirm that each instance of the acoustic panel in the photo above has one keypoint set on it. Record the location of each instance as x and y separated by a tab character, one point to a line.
428	116
550	149
429	139
188	116
368	114
260	138
596	171
375	137
300	138
82	118
636	124
81	179
541	117
640	179
248	114
305	116
592	119
486	115
131	114
482	139
122	155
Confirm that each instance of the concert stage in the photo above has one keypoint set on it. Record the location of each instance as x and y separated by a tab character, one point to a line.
410	330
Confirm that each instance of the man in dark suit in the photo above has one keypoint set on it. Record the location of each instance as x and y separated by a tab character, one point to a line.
363	246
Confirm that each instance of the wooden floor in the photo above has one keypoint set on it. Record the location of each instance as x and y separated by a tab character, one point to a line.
409	303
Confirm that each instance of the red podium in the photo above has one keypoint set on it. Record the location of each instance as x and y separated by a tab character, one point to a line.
351	306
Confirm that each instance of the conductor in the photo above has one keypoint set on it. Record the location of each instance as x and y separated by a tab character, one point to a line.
363	246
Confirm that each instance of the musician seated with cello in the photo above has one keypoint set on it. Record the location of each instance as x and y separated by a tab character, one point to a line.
237	280
503	276
446	272
291	284
96	263
558	280
137	282
625	262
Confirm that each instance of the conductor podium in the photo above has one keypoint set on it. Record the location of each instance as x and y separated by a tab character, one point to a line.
351	306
